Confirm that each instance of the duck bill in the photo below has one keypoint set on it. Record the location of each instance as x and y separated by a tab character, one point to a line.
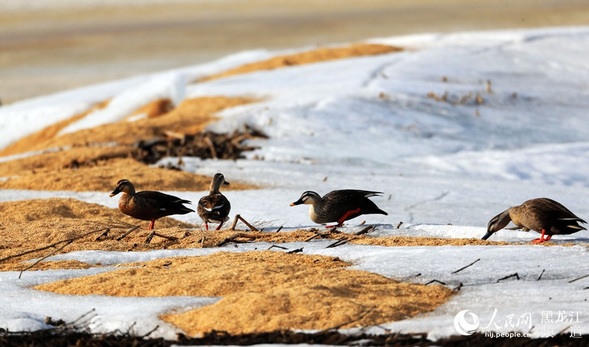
298	202
487	235
226	183
114	192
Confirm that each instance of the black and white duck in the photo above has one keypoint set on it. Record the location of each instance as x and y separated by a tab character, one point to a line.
339	206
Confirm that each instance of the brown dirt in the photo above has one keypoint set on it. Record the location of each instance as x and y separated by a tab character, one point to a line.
308	57
104	175
86	160
264	291
32	224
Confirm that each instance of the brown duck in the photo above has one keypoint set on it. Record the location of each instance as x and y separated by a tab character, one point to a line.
542	215
148	205
339	206
214	207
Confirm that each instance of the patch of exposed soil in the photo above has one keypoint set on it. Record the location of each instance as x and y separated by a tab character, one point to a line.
36	224
264	291
308	57
95	159
33	224
204	145
104	175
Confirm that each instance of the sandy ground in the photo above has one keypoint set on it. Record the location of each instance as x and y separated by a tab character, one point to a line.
264	291
36	229
49	46
50	49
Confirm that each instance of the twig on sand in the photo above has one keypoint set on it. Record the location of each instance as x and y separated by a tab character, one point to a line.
337	243
509	276
578	278
464	267
237	218
45	257
128	232
276	246
155	233
366	230
541	273
151	331
149	237
298	250
312	237
435	281
103	235
234	238
70	240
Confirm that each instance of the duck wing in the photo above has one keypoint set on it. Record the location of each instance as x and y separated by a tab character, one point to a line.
165	204
214	207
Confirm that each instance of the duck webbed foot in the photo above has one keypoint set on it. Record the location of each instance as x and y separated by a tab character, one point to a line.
542	238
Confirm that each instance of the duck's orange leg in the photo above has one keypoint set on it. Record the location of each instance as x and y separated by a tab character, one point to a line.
220	225
542	238
207	226
151	225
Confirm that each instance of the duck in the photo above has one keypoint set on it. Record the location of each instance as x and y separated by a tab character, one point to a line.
339	206
148	205
214	207
542	215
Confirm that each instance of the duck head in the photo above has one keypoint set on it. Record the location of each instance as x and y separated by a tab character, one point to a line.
308	197
124	186
217	181
497	223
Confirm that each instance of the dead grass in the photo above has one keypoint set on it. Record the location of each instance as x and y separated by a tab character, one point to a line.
87	160
264	291
104	175
31	224
308	57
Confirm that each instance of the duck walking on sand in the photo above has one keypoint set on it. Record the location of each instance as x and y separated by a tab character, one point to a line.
542	215
214	207
148	205
339	205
